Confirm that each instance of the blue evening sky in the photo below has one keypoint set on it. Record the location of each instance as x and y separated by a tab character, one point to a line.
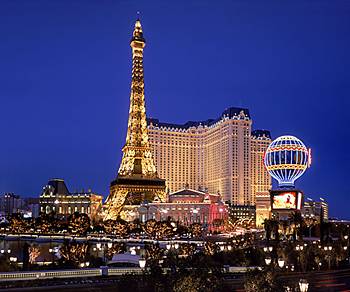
65	69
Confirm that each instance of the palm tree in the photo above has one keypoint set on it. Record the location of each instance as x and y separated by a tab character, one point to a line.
268	229
298	222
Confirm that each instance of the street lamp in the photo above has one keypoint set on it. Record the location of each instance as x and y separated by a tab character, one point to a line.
303	285
328	248
132	250
142	262
52	252
13	259
268	261
168	246
280	263
299	247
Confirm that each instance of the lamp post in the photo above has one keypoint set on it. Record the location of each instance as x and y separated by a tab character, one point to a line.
303	285
268	261
142	263
299	248
280	263
346	237
52	252
328	250
13	260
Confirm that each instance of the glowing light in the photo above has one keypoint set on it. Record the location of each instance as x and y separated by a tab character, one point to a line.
142	263
286	159
280	263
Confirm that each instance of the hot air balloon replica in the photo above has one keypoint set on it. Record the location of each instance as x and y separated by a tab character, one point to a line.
286	159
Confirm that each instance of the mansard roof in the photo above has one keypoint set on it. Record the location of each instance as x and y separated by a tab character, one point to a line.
261	133
228	113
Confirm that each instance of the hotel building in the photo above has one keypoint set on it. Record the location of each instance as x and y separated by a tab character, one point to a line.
220	155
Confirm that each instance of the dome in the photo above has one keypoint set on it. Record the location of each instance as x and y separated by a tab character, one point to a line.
286	159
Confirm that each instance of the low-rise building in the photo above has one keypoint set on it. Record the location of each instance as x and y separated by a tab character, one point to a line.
11	203
242	212
188	206
57	198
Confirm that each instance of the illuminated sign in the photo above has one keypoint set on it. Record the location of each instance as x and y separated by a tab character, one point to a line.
282	200
286	159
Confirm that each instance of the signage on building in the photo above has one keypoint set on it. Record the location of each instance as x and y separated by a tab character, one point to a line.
286	200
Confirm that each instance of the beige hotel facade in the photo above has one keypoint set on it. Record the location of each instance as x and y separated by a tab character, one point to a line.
220	155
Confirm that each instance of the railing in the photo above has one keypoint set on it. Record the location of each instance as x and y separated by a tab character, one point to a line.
18	276
84	273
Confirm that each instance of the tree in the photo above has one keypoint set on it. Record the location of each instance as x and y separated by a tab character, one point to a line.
150	228
187	249
310	223
196	230
153	253
18	224
116	248
73	252
210	248
268	229
164	230
298	222
262	281
47	223
78	223
34	253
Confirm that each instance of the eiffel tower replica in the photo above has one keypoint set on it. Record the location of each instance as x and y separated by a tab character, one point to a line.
137	178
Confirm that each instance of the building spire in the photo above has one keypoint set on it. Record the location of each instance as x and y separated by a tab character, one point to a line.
137	157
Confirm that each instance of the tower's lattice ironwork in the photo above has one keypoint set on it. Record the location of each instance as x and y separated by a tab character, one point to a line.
137	178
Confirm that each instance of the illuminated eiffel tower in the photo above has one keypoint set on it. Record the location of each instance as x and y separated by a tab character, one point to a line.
137	178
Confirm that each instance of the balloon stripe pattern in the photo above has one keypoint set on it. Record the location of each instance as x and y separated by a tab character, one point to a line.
286	159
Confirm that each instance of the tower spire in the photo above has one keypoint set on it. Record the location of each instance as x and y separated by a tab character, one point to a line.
137	156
